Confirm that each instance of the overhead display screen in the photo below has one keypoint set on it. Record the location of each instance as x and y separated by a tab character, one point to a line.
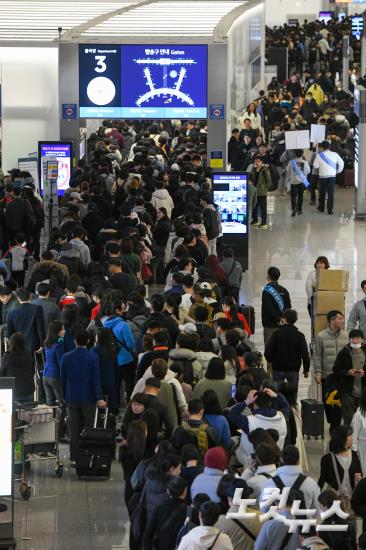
63	153
231	197
143	81
357	26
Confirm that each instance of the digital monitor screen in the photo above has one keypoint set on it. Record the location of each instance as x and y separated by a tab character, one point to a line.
357	26
325	16
63	153
341	15
143	81
231	197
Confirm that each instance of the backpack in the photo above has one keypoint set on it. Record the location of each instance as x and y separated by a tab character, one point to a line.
188	372
188	525
296	487
200	433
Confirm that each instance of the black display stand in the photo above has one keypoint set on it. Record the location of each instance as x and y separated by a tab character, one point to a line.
7	527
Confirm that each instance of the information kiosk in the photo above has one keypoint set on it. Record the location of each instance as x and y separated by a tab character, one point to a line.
231	198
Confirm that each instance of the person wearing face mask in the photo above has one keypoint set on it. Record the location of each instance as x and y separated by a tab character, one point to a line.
358	312
350	368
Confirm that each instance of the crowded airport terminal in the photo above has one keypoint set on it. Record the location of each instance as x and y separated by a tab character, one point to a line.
182	284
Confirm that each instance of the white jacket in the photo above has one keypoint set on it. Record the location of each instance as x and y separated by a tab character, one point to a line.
162	199
201	538
326	171
359	437
278	422
170	378
310	284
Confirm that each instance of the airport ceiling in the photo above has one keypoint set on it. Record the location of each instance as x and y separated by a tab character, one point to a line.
99	21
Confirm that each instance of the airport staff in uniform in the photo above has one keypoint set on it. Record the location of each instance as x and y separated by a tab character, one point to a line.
329	165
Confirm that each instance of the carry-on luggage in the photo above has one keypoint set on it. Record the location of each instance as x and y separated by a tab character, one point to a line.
249	314
312	414
96	450
348	177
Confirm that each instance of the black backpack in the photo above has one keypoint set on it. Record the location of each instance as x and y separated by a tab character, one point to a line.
296	487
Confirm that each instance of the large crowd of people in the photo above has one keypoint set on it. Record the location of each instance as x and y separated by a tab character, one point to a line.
133	305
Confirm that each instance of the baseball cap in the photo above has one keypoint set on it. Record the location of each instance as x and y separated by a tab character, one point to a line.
251	359
188	328
205	286
175	167
76	195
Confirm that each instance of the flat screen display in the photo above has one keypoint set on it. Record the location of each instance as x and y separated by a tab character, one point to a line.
325	16
143	81
62	151
6	445
357	26
231	197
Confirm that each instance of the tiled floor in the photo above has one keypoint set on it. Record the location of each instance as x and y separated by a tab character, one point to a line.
76	515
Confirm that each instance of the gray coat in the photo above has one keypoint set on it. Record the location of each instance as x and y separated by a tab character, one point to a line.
358	316
233	271
327	345
51	312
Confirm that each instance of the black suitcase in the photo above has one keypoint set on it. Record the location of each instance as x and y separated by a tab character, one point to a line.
96	450
312	415
249	314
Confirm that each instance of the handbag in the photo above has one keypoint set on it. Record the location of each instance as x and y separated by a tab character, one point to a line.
146	273
345	499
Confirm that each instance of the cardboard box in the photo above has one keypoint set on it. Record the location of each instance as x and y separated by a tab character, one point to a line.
320	323
332	279
326	300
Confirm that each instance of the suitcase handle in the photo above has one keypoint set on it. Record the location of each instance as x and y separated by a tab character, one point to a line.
105	417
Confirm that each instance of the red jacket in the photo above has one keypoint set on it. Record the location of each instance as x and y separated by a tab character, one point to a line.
242	320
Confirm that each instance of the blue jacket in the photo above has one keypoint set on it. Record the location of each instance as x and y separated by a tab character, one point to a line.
221	425
123	334
80	377
240	420
107	369
53	359
207	482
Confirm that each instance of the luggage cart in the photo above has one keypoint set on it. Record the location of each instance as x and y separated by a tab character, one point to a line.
37	439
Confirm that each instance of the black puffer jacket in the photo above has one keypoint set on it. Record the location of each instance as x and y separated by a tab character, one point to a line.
20	365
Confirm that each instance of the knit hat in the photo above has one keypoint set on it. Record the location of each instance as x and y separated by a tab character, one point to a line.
216	457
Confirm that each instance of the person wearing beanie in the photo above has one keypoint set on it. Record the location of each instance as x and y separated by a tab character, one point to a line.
215	461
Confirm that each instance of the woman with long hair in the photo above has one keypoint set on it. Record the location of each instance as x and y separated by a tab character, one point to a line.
18	363
340	468
215	417
216	270
214	380
231	361
71	323
359	431
105	349
294	426
54	349
131	452
230	309
337	540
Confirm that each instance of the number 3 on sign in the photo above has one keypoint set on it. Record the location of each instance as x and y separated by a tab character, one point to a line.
101	66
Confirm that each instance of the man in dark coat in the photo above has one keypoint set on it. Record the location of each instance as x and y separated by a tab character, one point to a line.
27	319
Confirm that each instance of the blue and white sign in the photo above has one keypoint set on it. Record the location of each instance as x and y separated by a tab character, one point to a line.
217	111
100	81
69	111
143	81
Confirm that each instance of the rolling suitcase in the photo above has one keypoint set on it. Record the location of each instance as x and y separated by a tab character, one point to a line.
312	415
348	177
249	314
96	450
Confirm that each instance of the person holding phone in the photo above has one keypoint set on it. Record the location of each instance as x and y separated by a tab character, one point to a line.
350	368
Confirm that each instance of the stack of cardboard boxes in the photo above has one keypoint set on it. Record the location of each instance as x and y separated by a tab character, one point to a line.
330	293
